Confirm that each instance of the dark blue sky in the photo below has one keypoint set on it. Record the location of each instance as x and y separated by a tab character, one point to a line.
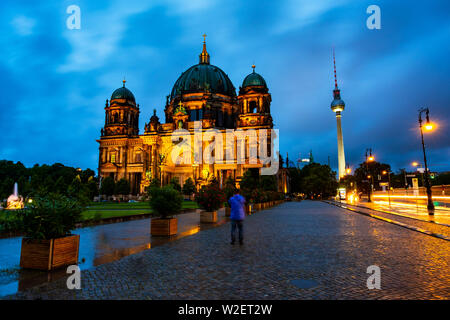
55	81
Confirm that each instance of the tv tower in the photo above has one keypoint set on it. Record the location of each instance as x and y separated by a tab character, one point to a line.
338	105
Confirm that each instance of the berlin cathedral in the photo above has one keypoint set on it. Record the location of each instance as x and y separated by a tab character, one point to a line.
202	94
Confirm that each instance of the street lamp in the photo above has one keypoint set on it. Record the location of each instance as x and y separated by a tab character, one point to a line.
348	170
369	158
428	127
388	172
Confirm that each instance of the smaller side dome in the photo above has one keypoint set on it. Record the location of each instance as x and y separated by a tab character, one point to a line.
123	93
254	79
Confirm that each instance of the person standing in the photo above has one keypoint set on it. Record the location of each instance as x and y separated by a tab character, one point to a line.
237	216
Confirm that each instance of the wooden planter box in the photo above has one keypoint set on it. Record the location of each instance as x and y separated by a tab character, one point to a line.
164	227
208	216
49	254
227	211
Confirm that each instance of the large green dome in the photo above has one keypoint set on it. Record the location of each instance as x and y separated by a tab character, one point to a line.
203	77
254	79
123	93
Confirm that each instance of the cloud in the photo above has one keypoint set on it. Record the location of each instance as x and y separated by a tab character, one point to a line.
23	25
295	14
57	80
100	35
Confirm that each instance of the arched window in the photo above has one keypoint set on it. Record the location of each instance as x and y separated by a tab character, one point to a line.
253	107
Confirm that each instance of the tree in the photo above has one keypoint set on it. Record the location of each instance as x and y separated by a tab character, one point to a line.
48	184
441	179
295	180
108	186
229	187
79	191
175	184
86	175
122	187
373	169
318	180
76	187
268	183
92	187
155	183
60	186
188	187
248	184
41	179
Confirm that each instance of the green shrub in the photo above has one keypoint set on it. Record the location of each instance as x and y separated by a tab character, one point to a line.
9	220
165	201
229	189
122	187
188	187
210	197
107	186
175	184
51	217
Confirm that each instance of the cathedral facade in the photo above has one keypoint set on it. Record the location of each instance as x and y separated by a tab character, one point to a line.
202	100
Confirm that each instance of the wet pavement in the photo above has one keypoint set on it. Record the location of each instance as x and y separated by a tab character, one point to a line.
297	250
420	212
98	245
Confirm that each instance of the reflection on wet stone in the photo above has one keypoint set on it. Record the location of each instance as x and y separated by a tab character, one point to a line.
98	245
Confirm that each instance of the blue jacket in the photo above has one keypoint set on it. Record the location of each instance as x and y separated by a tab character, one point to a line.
237	207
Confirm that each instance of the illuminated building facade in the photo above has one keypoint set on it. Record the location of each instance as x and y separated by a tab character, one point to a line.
203	95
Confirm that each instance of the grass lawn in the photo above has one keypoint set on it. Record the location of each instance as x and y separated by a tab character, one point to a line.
120	205
104	214
98	211
111	209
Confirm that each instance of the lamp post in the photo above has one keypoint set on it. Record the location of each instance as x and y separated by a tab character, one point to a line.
369	158
388	172
428	127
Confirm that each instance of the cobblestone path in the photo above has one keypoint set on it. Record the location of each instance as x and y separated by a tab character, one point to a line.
296	240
